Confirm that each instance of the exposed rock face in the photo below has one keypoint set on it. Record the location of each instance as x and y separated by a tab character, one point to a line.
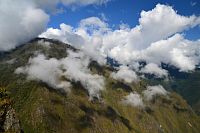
8	118
11	123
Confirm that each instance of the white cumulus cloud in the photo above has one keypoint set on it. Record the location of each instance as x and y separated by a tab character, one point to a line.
20	21
125	74
158	38
23	20
88	36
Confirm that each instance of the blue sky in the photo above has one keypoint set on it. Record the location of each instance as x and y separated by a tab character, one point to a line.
126	11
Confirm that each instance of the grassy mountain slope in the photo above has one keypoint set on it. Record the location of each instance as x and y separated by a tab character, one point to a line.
41	108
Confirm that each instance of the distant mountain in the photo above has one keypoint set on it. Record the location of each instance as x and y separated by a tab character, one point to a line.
187	84
36	106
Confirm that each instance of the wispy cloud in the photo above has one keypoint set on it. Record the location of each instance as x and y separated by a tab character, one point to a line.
192	3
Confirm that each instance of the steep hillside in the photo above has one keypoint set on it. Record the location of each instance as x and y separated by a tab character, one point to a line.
39	107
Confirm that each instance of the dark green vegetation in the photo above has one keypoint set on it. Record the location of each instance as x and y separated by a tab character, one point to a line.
185	84
43	109
190	89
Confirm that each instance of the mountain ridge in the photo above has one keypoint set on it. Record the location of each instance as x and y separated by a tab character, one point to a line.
41	108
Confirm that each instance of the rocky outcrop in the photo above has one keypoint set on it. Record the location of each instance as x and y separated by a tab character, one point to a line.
11	123
8	118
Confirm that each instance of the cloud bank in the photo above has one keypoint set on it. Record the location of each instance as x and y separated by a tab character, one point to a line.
46	70
54	72
158	38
